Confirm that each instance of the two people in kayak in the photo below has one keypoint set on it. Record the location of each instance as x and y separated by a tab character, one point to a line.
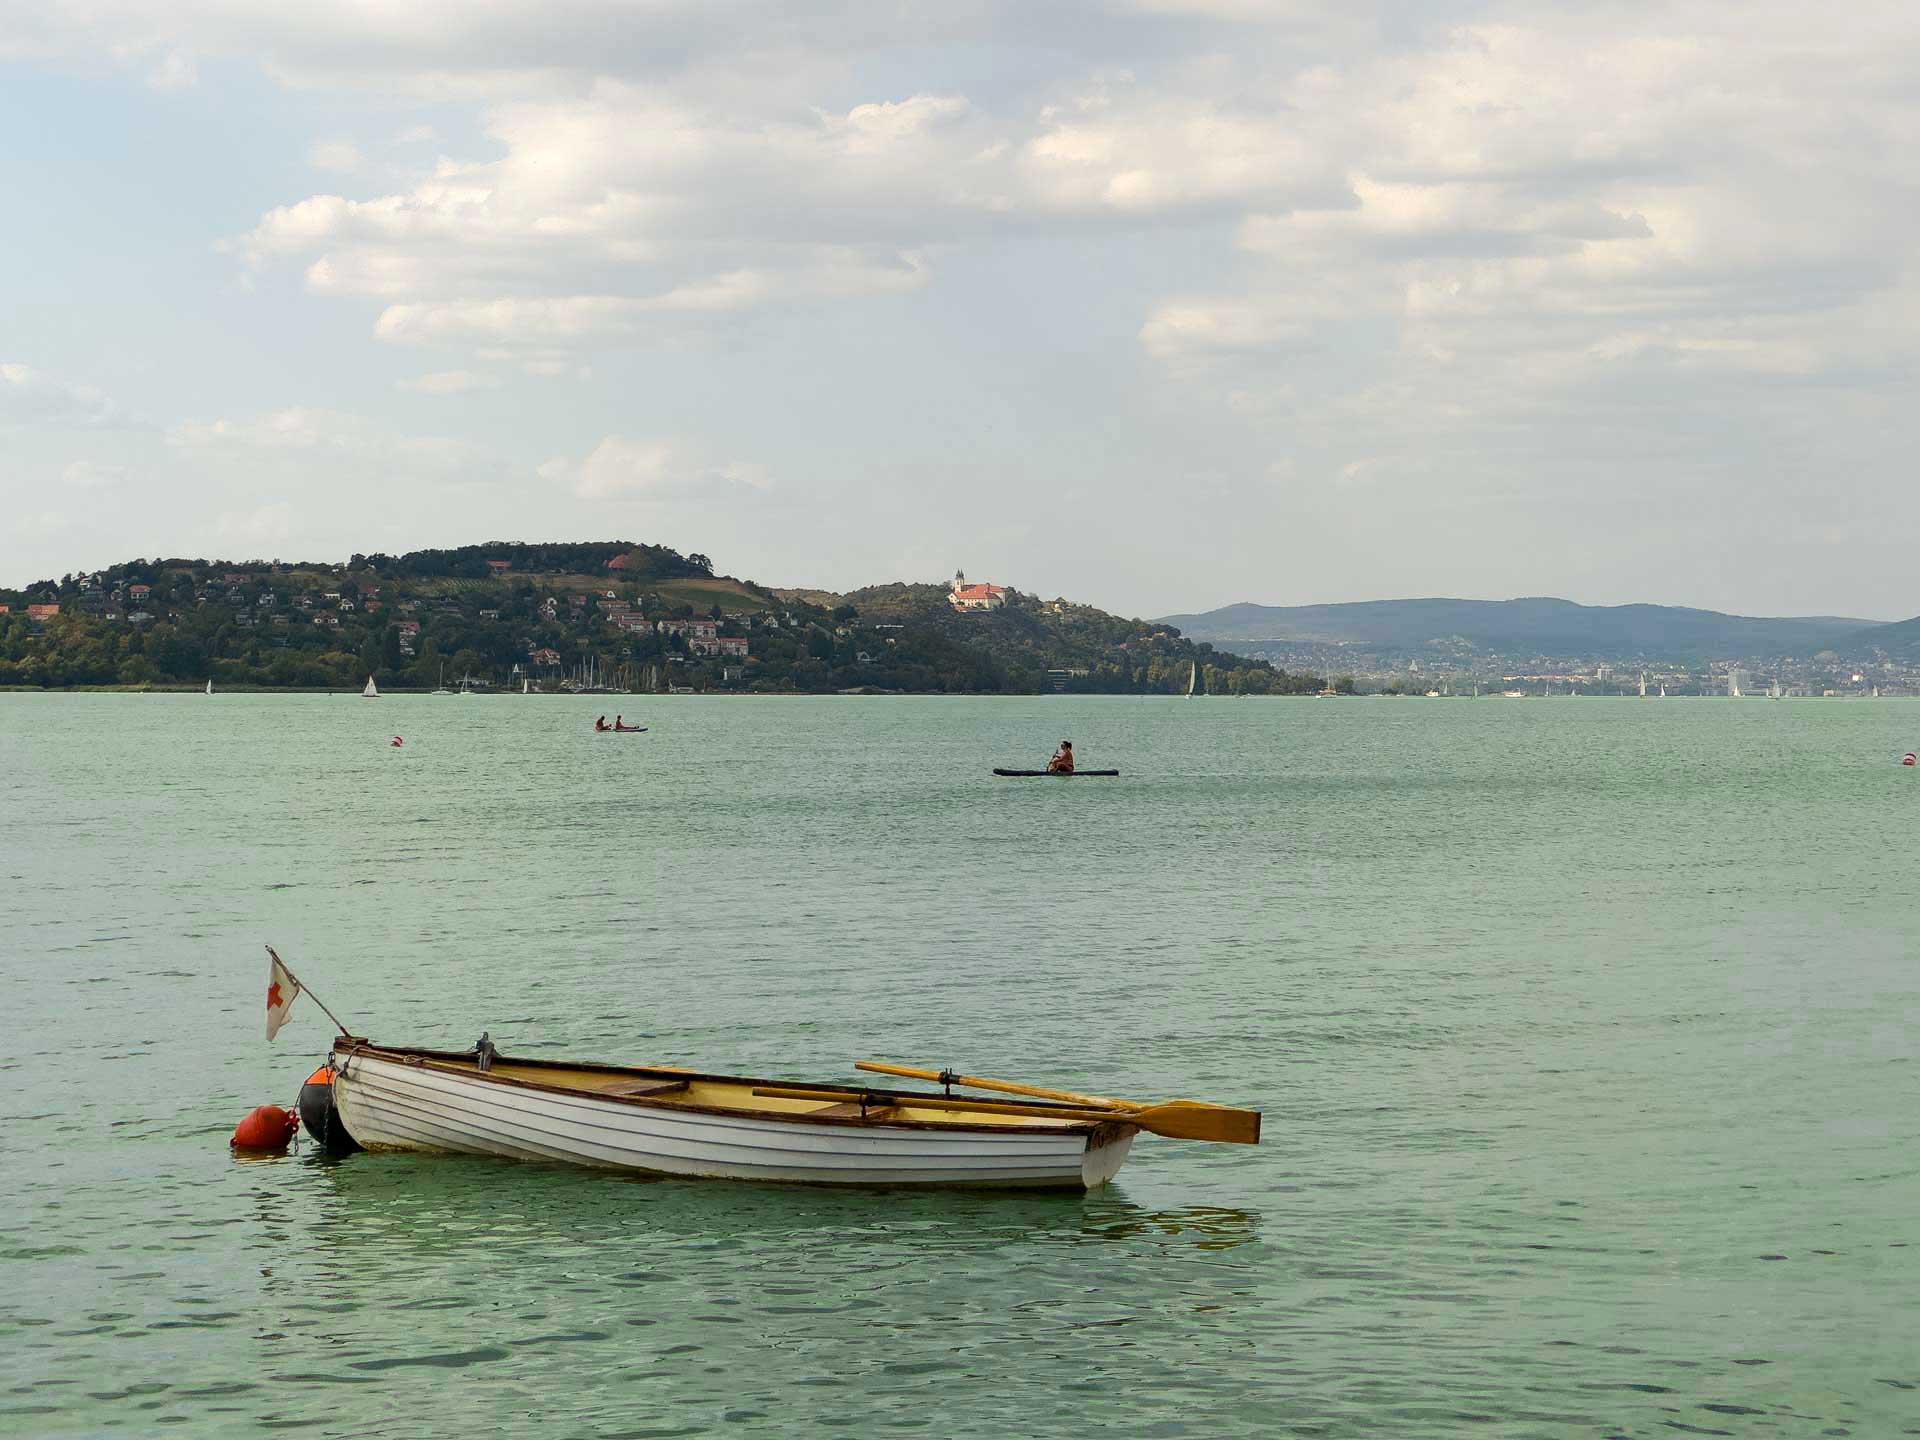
619	723
1062	761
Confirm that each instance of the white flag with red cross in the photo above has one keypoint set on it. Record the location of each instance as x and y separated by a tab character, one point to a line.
282	991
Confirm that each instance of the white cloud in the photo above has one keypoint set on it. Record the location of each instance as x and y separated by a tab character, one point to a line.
451	382
649	187
267	524
92	475
342	157
295	428
299	432
517	321
175	71
569	320
31	397
1221	326
620	468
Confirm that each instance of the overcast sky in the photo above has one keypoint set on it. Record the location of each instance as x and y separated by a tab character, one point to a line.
1160	304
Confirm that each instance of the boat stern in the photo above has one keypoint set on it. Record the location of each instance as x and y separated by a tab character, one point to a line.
1107	1149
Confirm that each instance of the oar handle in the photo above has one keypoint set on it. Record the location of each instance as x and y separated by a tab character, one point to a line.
981	1082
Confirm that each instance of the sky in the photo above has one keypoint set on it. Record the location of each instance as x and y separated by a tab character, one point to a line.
1157	304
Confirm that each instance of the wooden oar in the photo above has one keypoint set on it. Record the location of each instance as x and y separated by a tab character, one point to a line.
980	1082
1176	1119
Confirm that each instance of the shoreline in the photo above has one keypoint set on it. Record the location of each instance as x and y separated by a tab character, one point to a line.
624	694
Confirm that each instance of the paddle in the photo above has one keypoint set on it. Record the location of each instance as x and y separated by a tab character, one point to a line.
1244	1122
980	1082
1176	1119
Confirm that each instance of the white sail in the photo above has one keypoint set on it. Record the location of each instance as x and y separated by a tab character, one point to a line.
1193	679
209	687
372	692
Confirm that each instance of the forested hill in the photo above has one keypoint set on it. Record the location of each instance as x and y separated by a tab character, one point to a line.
1536	625
558	616
1028	637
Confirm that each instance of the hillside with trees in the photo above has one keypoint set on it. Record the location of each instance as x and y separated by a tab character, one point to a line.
1537	625
571	616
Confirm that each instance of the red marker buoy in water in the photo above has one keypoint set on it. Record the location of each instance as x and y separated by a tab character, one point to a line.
396	741
1910	758
267	1127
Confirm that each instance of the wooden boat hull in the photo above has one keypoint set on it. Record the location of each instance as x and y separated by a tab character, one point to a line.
1054	774
712	1126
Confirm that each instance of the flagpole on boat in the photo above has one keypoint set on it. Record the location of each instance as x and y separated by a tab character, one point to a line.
309	990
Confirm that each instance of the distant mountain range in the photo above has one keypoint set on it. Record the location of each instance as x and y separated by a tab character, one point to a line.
1541	625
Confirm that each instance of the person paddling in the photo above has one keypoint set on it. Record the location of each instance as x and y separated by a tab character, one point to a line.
601	724
1062	761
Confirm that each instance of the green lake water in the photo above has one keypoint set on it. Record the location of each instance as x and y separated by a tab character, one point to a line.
1585	1031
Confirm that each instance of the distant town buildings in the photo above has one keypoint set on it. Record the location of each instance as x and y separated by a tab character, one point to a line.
692	629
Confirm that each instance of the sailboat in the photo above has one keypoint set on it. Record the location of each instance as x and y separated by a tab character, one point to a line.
1193	679
209	687
372	692
441	688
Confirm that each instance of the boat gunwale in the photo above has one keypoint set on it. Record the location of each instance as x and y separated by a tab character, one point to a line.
458	1064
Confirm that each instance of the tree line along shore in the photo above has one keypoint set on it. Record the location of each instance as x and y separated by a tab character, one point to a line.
569	616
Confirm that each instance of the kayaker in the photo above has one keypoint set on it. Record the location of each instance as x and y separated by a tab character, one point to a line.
1062	761
601	724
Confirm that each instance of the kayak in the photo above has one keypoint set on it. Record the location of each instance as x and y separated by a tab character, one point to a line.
1057	774
623	730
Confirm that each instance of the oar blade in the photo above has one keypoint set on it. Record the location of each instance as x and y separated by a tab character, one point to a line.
1186	1120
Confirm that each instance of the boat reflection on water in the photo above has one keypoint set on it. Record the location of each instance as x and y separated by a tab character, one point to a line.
412	1209
609	1303
1206	1227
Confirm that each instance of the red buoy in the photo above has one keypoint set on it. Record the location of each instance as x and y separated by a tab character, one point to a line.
267	1127
396	740
1909	758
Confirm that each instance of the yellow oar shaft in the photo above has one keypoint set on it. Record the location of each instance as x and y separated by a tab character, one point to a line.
1177	1119
981	1082
959	1103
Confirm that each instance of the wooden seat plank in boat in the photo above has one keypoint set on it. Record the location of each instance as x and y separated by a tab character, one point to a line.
853	1110
629	1089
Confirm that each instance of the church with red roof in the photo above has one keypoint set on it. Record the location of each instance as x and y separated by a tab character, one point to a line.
963	596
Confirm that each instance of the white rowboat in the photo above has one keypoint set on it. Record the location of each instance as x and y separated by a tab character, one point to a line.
673	1122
